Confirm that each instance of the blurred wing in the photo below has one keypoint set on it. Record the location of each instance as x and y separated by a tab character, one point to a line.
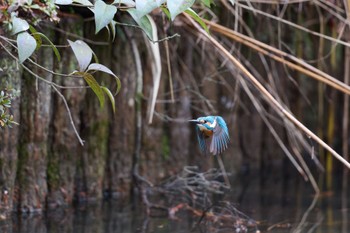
220	138
201	140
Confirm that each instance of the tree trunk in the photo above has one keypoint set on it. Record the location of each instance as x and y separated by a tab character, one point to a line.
10	77
122	123
34	130
65	148
95	124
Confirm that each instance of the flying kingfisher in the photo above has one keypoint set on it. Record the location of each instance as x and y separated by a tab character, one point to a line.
212	134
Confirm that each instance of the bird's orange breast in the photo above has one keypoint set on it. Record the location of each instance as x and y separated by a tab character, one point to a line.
207	132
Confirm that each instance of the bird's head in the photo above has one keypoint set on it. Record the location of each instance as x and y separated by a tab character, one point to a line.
206	123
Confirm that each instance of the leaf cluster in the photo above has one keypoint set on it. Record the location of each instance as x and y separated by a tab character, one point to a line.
6	96
84	54
20	18
34	11
139	10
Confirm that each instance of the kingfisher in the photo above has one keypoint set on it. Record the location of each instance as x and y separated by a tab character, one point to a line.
212	134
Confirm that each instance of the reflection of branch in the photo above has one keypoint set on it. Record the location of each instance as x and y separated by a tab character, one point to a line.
145	225
344	201
300	227
191	191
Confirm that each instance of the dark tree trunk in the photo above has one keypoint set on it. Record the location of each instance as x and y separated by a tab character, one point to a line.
10	76
152	155
122	123
95	124
65	149
179	148
33	147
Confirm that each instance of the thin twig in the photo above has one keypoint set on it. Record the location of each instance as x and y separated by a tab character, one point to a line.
166	45
39	77
54	86
298	26
69	114
258	107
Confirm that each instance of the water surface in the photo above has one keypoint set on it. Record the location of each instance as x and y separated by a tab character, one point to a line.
278	204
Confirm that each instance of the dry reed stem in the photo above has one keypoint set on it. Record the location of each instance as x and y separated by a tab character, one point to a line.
281	56
266	94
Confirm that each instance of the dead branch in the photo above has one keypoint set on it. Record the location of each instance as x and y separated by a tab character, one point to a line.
192	191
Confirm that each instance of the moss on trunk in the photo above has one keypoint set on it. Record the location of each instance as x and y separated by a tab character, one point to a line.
35	121
10	77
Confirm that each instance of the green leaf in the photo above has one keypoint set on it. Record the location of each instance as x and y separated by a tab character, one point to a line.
35	6
100	67
18	25
119	86
55	50
166	12
26	46
207	3
143	22
83	2
110	96
91	81
103	14
178	6
63	2
194	15
82	52
113	29
95	57
39	42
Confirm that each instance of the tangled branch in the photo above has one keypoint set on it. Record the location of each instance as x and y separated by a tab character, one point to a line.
193	191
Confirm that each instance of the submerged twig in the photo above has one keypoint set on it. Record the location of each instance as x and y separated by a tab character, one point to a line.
191	191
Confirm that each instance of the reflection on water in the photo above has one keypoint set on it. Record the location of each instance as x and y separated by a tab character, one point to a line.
278	204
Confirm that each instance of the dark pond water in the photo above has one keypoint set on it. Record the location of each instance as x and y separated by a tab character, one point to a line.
278	203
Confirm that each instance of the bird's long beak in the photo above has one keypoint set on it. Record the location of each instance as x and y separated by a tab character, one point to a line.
195	121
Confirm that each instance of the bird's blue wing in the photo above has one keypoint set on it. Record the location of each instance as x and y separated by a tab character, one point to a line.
201	140
220	138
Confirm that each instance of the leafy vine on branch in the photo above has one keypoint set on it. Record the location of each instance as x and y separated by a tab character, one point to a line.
19	19
6	97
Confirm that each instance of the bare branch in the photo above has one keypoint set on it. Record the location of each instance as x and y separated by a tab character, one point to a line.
69	115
